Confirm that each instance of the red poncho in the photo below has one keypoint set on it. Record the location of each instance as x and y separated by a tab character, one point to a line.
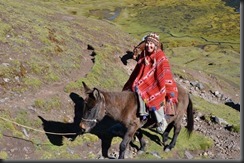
153	80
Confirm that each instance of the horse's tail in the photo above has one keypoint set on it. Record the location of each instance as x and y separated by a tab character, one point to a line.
190	118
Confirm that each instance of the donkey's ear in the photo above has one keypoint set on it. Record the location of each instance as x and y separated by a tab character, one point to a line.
97	94
86	88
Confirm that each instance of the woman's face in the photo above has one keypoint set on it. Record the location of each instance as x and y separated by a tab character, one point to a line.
150	46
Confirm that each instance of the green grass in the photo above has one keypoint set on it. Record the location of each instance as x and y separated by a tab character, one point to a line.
213	62
52	103
6	125
184	142
230	115
3	155
190	25
104	73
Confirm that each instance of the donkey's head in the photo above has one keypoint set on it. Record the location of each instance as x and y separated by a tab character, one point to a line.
94	109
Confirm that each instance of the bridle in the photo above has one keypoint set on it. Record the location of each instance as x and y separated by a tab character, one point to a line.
89	120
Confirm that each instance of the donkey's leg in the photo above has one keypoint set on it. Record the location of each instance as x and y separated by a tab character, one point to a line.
126	140
177	128
139	135
123	146
167	131
106	143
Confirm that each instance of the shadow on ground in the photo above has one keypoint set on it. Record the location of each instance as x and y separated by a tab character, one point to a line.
127	56
235	106
55	131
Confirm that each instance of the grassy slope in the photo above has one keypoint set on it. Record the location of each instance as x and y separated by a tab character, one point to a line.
207	24
49	50
38	51
41	51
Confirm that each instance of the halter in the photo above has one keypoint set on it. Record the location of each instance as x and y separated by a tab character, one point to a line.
89	120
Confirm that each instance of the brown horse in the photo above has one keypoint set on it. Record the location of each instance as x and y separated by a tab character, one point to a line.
140	47
123	107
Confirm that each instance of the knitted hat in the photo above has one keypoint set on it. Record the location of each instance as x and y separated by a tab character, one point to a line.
153	37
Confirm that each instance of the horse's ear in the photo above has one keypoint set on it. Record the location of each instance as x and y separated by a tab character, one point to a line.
86	88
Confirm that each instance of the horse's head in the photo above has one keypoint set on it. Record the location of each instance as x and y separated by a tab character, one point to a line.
94	109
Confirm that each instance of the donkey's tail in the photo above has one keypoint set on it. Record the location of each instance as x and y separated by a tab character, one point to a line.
190	118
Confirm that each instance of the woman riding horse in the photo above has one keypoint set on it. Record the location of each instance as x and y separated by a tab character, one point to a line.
153	81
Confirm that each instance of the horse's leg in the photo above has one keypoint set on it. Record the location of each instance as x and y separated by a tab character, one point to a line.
126	140
177	128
